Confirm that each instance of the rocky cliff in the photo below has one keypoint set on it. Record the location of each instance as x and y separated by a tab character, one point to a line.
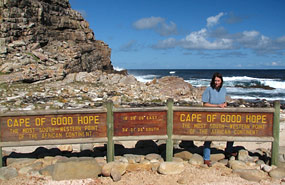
46	40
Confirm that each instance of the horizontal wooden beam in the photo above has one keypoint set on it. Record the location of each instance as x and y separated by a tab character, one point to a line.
140	109
227	109
54	142
223	138
47	112
135	138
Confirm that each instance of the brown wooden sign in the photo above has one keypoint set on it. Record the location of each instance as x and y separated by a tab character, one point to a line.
140	123
44	127
222	124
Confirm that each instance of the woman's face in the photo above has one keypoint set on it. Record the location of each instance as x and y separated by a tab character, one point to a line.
218	82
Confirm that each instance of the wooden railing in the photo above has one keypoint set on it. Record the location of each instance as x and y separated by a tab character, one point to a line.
109	124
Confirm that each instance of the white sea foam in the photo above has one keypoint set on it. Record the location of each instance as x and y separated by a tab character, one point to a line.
119	68
233	84
274	83
259	97
145	78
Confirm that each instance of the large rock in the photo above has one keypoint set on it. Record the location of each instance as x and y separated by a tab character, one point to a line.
47	40
76	169
185	155
171	168
277	173
238	165
7	173
196	159
251	174
119	166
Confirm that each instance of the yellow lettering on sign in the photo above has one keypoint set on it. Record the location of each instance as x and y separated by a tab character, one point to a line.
214	125
151	117
152	129
40	121
239	126
230	118
203	131
191	118
61	121
211	117
47	129
70	129
200	125
91	127
28	130
245	132
191	131
51	135
18	122
74	134
87	120
255	118
259	127
185	125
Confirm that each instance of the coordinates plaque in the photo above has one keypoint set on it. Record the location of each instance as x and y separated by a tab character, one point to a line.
139	123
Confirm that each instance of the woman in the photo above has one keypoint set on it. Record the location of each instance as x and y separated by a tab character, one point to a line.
215	96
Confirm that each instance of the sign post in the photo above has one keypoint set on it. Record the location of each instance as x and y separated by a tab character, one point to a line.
276	128
110	132
169	141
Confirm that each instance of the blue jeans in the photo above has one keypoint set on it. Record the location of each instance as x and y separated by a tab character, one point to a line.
207	150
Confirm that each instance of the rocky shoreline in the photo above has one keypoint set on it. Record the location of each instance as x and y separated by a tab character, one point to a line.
90	90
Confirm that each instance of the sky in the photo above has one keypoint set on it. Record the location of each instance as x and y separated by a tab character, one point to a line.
189	34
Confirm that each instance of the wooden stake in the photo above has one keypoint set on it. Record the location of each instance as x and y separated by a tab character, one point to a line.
276	130
110	132
169	142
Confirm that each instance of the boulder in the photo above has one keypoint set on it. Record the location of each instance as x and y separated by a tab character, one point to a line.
76	169
277	173
119	166
171	168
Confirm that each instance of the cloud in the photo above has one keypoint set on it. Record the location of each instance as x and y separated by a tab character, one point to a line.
129	46
233	19
166	44
147	23
275	64
196	40
157	24
220	39
165	29
213	20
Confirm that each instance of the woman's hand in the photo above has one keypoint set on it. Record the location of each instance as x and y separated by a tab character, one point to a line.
222	105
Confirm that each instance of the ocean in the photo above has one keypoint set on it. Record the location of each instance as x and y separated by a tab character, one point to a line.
250	85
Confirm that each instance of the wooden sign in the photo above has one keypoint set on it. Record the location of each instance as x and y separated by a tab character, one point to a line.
140	123
223	124
45	127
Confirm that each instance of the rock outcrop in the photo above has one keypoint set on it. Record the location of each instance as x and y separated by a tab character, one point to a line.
46	39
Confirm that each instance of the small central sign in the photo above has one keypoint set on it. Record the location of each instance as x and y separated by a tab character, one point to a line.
140	123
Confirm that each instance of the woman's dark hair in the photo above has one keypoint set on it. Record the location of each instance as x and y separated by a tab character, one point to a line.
219	75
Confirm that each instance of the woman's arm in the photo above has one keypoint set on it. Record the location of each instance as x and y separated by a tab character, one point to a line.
222	105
